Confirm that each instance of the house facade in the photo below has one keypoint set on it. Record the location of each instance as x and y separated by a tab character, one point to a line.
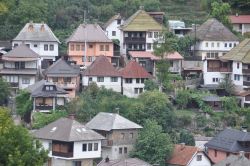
120	134
178	28
111	27
241	23
69	143
133	78
139	32
20	67
102	72
97	44
64	75
40	38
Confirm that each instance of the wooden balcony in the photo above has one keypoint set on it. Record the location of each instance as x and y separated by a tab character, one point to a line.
135	40
43	107
246	83
62	154
107	142
246	71
219	69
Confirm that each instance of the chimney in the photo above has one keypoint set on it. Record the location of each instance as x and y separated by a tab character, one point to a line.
182	145
107	159
71	116
31	26
42	28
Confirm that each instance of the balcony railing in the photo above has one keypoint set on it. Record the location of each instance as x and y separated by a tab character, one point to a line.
246	83
135	39
219	69
62	154
107	142
44	107
14	84
246	71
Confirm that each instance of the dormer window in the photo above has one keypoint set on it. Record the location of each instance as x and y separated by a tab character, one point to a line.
119	21
49	87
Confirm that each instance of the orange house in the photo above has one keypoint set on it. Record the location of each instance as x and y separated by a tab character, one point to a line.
97	43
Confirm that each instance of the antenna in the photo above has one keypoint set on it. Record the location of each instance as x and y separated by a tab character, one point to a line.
85	36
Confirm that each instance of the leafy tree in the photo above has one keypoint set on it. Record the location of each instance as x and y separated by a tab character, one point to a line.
153	145
150	85
17	146
4	91
187	138
182	98
228	85
230	104
24	105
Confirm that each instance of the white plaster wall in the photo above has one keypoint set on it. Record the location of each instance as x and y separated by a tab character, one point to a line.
114	27
204	162
122	46
208	77
245	28
128	89
60	101
113	152
176	67
202	45
237	71
45	144
32	81
79	154
152	40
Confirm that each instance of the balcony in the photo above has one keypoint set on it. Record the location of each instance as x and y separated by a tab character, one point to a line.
246	83
66	85
135	40
219	69
62	154
246	71
107	142
14	84
43	107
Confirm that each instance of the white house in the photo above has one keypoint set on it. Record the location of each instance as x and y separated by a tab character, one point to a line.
40	38
241	23
102	72
213	41
188	156
133	78
20	67
178	28
111	27
70	143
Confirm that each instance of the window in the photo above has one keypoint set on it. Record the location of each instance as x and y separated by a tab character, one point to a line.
215	153
84	147
77	163
237	77
128	80
238	65
119	21
114	79
72	47
138	90
101	47
149	46
77	47
131	135
90	79
206	44
100	79
106	47
90	59
83	59
89	146
120	150
234	44
150	35
25	80
82	47
215	79
212	55
49	88
212	44
230	44
28	45
125	150
240	26
155	34
218	44
142	63
90	46
35	45
51	47
15	44
225	44
142	80
50	146
113	33
199	157
122	135
55	79
46	47
95	146
67	79
137	80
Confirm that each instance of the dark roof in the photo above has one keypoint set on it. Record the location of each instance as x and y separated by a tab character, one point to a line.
101	67
234	160
38	89
213	30
124	162
36	33
90	32
239	53
111	121
134	70
21	53
229	140
68	130
115	17
62	68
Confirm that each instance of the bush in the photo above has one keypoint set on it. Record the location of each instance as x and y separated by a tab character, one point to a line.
182	98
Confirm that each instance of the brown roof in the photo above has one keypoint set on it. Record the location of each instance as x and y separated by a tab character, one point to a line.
241	19
182	154
21	53
213	30
134	70
143	54
90	32
101	67
174	56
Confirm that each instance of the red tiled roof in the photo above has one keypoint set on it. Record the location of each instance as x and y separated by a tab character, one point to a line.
241	19
101	67
182	155
174	56
134	70
145	54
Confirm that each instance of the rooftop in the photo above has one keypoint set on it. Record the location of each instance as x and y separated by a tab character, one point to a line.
240	19
124	162
111	121
234	160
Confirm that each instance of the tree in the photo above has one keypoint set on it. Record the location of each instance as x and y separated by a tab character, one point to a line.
187	138
182	98
24	105
153	145
150	85
4	91
17	146
228	85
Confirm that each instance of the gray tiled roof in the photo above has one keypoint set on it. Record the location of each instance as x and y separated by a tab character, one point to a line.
36	34
229	140
21	51
67	130
90	32
234	160
213	30
124	162
62	68
111	121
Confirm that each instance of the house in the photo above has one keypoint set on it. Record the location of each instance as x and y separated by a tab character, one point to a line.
214	40
40	38
228	142
20	67
47	96
69	143
233	160
123	162
102	72
111	27
120	134
97	43
178	28
241	23
184	155
65	76
175	61
158	16
139	32
133	78
214	101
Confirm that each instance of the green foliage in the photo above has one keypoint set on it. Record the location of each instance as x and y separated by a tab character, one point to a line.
184	45
17	146
4	91
23	103
153	145
187	138
163	74
150	85
182	98
228	85
230	104
42	119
